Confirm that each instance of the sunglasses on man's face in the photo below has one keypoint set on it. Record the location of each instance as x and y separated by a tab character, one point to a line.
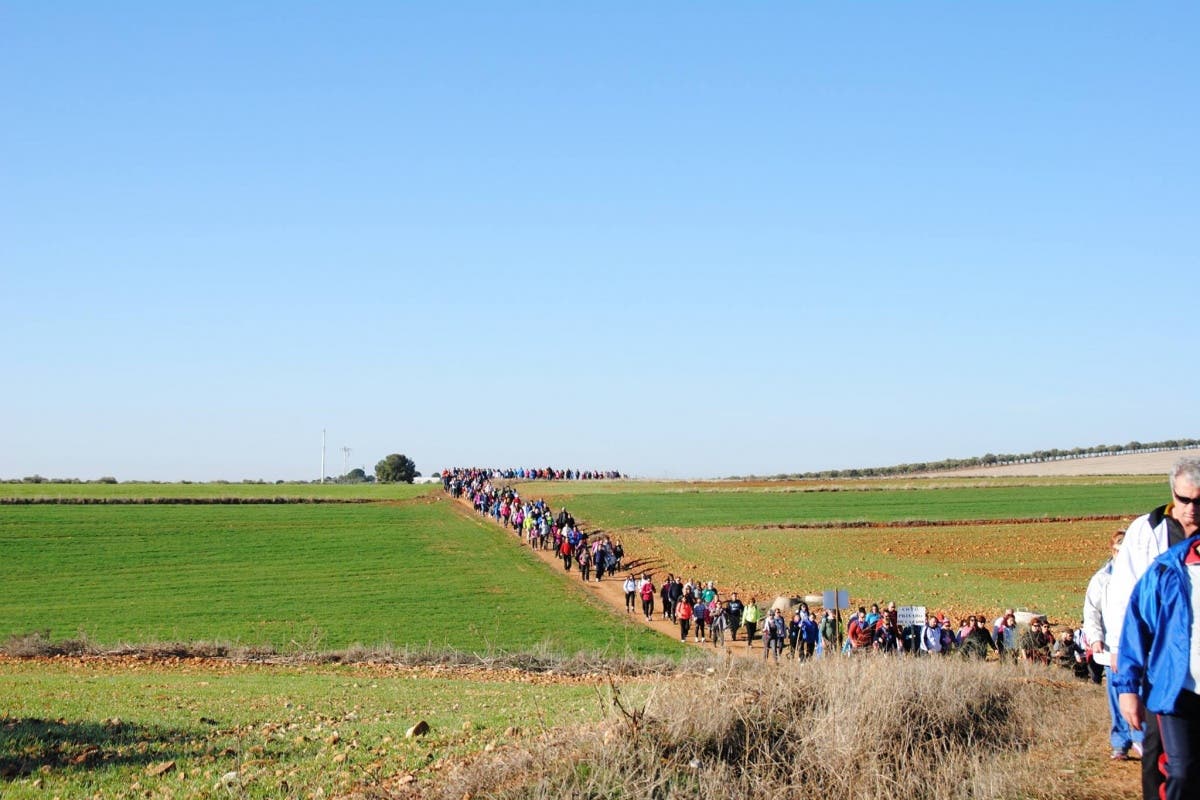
1185	501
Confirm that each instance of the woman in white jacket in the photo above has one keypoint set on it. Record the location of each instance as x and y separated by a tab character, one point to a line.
1121	737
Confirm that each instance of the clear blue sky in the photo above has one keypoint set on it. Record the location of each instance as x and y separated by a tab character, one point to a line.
678	239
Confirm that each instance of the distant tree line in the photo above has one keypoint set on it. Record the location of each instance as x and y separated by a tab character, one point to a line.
998	460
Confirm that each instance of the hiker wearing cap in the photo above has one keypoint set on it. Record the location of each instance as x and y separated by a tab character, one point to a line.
1148	537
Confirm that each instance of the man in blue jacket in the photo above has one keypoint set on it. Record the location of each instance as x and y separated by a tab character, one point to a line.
1159	662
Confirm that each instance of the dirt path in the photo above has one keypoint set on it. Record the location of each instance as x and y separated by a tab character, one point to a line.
611	591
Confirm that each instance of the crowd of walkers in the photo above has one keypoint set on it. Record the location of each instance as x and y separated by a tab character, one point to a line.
528	474
594	555
798	632
702	613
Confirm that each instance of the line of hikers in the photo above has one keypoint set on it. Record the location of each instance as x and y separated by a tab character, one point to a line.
528	474
594	555
796	631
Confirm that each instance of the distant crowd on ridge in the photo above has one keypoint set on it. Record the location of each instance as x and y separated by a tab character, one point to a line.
527	474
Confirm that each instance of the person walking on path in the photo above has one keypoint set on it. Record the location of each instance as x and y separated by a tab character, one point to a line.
700	619
1120	735
683	612
734	614
773	634
1148	537
931	637
750	618
667	606
1159	654
829	633
675	594
809	635
718	622
647	593
564	550
630	587
584	558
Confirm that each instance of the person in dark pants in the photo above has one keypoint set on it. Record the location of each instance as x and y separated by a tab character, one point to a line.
668	609
1158	664
750	620
733	614
564	550
1146	538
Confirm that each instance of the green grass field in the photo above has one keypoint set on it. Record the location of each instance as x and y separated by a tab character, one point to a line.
329	491
420	574
295	577
72	729
647	505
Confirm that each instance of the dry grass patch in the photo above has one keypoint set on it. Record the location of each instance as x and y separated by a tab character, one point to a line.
873	728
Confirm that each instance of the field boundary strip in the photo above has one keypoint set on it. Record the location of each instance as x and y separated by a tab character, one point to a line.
900	523
184	501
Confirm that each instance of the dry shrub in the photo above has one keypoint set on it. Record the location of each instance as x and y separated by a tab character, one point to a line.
899	729
38	644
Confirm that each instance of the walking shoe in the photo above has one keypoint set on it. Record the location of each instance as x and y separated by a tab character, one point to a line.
1117	755
1136	749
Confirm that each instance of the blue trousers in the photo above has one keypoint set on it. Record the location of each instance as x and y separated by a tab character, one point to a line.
1121	735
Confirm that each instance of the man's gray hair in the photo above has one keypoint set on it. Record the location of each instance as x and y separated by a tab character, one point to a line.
1187	468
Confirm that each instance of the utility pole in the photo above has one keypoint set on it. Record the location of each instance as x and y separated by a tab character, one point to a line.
322	455
346	460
